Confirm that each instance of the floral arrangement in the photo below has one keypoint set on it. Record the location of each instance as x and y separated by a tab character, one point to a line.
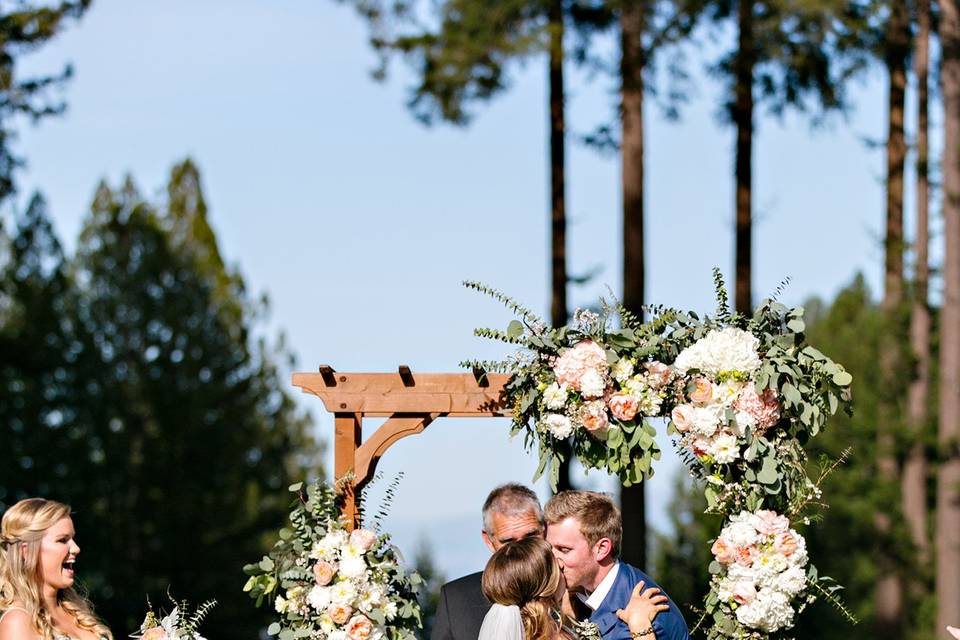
329	582
179	624
741	395
762	570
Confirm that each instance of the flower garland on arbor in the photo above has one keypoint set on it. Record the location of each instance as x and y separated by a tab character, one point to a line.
741	396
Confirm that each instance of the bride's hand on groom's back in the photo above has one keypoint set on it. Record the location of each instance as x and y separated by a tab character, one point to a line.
642	608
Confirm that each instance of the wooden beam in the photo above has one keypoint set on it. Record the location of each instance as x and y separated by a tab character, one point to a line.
346	441
397	427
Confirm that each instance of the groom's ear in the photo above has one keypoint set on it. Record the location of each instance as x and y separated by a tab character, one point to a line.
602	549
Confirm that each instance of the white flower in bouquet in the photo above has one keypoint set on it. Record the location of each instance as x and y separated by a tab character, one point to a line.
725	448
326	548
725	350
573	363
371	597
319	598
705	420
727	392
338	634
621	370
771	611
740	533
592	384
650	403
792	581
555	397
560	426
343	592
354	566
280	604
769	566
390	610
364	539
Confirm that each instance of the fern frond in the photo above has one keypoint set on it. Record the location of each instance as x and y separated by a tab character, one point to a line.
201	613
507	301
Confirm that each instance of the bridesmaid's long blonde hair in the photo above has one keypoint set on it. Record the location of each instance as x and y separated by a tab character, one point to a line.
526	574
21	577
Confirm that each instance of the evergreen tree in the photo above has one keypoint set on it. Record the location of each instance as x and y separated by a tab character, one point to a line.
24	27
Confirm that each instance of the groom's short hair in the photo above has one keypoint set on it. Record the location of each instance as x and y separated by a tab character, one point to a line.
597	514
510	499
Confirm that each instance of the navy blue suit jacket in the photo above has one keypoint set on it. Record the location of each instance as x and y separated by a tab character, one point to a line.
668	625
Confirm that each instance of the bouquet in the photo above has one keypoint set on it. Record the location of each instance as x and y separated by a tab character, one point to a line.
328	582
179	624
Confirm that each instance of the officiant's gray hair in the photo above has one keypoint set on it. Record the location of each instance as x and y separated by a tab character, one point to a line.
510	499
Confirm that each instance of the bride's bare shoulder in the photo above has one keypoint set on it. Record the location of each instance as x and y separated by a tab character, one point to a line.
16	625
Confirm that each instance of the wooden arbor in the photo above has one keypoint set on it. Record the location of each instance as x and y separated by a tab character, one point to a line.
409	401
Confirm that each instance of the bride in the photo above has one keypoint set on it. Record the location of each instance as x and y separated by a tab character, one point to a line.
524	582
37	560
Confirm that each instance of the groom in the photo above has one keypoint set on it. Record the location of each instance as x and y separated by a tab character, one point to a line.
584	528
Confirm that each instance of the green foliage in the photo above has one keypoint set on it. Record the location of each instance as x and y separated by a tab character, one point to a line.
143	395
25	27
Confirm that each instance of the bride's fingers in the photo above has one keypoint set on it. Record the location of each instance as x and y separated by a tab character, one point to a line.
637	590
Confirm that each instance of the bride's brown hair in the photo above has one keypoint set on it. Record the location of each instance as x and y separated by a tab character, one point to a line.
21	578
526	574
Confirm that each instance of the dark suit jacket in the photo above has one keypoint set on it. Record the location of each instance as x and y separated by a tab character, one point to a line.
668	625
461	609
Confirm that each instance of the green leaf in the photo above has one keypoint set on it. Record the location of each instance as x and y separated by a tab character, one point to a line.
768	474
796	325
273	629
515	329
267	564
842	379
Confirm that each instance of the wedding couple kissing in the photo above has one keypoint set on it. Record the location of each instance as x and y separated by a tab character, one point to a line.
555	574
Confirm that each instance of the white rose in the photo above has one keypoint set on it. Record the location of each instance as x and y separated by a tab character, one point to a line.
559	425
592	384
555	396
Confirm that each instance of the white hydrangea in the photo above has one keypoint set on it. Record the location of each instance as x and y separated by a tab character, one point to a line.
725	448
559	425
728	349
338	634
799	557
555	396
770	612
592	384
319	598
621	370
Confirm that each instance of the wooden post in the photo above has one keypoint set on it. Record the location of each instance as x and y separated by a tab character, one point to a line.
347	437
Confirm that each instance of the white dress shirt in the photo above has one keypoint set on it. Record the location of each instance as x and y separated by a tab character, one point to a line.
595	599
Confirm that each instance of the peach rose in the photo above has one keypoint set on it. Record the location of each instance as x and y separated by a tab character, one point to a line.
744	592
722	551
681	417
623	406
339	613
770	523
658	374
785	543
359	627
702	392
154	633
576	361
746	555
323	573
363	538
593	415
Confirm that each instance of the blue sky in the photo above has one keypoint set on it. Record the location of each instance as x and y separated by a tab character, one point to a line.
360	223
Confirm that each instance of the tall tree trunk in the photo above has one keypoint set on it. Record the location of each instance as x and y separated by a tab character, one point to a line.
948	480
743	120
632	63
914	480
558	205
889	589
